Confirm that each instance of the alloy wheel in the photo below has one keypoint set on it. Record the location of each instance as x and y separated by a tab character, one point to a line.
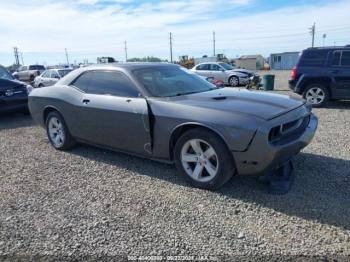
56	132
234	81
199	160
315	95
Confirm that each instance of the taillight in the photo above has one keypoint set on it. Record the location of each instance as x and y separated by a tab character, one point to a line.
294	73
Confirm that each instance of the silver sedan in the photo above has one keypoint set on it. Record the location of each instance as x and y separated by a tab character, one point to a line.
50	77
223	72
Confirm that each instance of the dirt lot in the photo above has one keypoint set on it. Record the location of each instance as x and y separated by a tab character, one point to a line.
91	203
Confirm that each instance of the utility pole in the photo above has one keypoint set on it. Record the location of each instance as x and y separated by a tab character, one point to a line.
171	47
126	52
15	50
214	43
66	56
312	32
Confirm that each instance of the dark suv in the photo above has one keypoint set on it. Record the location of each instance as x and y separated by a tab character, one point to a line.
322	74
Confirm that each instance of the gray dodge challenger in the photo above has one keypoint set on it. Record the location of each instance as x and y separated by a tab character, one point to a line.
164	112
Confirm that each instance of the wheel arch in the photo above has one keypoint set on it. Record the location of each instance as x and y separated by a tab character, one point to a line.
48	110
326	81
179	130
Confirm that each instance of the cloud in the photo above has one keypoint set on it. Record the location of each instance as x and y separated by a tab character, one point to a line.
43	27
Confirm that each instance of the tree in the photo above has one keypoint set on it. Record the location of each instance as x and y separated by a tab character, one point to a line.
145	59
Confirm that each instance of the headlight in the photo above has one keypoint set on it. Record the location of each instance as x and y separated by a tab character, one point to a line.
29	89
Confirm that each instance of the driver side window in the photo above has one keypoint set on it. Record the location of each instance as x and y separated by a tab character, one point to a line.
214	67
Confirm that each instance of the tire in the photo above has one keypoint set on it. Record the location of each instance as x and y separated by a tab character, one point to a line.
31	78
221	161
64	138
233	81
316	94
40	85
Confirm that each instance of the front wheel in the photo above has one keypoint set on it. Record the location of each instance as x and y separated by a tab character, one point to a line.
316	94
203	159
234	81
57	132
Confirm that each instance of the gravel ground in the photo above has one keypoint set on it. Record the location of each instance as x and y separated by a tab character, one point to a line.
90	203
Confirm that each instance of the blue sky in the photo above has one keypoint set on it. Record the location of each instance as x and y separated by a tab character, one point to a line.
42	29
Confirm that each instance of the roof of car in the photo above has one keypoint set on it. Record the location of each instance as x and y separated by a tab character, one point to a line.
112	66
130	65
329	47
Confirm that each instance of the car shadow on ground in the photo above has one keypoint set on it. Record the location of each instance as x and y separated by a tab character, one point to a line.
320	191
15	120
338	104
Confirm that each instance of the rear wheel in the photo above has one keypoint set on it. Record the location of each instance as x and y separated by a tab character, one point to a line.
316	94
203	159
57	132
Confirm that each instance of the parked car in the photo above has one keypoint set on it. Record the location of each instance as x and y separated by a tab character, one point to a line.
28	73
50	77
322	74
162	112
13	93
224	72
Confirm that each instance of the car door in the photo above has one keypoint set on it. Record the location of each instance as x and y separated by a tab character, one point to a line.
112	113
203	70
54	77
217	72
22	75
44	78
340	72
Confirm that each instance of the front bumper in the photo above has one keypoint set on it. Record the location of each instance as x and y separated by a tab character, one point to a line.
244	80
262	157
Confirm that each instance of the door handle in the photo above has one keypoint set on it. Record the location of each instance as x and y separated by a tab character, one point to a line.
335	72
86	101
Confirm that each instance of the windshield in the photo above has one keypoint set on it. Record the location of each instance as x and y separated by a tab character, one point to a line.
171	81
36	67
4	74
64	72
226	66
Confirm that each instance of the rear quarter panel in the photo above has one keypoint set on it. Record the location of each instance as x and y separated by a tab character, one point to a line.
64	99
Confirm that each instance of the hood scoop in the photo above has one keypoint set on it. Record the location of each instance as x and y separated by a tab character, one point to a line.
219	98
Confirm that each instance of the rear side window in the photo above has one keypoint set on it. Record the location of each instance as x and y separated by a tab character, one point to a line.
46	74
106	83
345	58
83	81
36	67
314	58
203	67
336	58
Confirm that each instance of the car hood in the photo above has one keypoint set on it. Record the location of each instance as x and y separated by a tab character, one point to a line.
258	104
246	71
8	84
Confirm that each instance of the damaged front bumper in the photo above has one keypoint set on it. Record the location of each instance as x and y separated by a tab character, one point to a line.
262	157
